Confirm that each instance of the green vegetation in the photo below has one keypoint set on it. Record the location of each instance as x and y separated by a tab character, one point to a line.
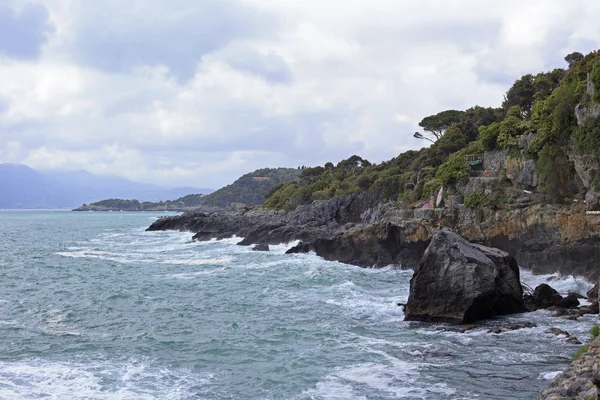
594	332
476	200
541	106
250	189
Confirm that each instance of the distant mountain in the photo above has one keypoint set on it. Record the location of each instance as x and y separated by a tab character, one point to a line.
24	187
249	190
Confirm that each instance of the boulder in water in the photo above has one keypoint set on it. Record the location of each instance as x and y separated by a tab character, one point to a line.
460	282
261	247
545	296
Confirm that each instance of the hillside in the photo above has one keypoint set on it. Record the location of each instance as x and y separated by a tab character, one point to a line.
549	123
250	190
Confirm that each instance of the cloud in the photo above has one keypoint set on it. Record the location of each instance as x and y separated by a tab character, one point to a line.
186	93
24	31
119	37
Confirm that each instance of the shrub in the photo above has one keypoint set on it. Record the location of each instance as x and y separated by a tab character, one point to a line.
475	200
455	170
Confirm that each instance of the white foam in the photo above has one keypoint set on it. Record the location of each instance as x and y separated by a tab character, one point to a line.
397	378
192	275
206	261
548	376
32	379
563	284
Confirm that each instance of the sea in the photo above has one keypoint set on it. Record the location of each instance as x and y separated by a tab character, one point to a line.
94	307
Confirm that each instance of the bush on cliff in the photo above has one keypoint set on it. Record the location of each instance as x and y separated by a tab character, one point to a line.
477	199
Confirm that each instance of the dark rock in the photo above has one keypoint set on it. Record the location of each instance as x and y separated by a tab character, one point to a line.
569	302
573	340
261	247
511	327
592	294
573	313
577	295
460	282
299	248
464	328
558	332
545	296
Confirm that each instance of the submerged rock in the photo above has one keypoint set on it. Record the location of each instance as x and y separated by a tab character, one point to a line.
558	332
573	340
460	282
511	327
261	247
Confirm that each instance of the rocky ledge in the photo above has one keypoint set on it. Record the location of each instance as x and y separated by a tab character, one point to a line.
358	229
580	381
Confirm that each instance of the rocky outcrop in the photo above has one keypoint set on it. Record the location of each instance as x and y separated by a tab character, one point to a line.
581	379
460	282
583	112
359	230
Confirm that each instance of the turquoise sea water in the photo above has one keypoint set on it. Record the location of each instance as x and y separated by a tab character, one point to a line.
94	307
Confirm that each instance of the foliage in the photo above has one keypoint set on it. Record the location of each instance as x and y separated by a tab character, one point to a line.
435	125
572	58
455	170
250	189
488	135
477	199
595	78
587	137
521	94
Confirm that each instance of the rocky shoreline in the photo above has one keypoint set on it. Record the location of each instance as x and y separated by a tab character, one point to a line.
357	229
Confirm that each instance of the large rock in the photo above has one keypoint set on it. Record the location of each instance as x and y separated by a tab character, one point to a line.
460	282
544	296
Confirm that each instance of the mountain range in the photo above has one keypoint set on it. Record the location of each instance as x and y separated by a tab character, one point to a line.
24	187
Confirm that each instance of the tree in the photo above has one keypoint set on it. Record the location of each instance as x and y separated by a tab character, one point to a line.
451	141
419	135
521	94
436	125
573	58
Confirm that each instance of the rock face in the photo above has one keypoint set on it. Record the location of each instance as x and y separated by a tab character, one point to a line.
460	282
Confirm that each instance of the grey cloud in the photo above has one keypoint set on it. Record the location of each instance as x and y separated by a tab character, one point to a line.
178	40
22	33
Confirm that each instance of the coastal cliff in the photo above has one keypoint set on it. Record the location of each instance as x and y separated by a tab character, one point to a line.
355	229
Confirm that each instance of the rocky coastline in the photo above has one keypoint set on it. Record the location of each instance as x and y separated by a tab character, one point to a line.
357	229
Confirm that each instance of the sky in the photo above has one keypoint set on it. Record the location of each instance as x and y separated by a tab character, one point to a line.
199	92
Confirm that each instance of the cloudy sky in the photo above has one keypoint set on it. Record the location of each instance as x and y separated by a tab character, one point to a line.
198	92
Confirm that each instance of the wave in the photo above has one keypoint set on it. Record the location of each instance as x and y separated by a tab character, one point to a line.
35	378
